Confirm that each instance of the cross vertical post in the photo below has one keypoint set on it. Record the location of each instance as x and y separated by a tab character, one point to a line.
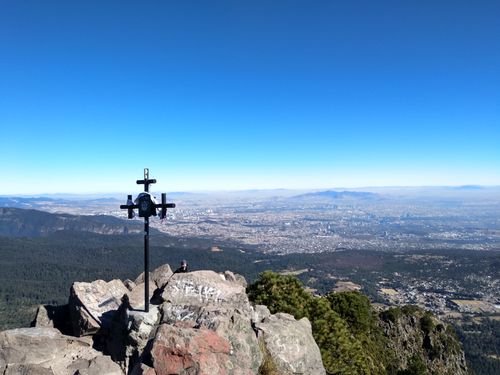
146	264
147	207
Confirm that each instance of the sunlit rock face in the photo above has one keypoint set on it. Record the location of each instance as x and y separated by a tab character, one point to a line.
199	323
47	351
290	343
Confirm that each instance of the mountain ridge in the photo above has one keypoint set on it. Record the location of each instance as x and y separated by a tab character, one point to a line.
19	222
334	194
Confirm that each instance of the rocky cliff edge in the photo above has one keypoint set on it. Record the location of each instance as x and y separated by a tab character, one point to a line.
199	323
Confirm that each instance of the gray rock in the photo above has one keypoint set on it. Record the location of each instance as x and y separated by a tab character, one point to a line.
196	315
407	340
206	287
162	275
44	351
136	295
140	278
234	277
96	366
53	317
260	312
92	305
18	369
42	318
245	351
129	284
142	326
290	345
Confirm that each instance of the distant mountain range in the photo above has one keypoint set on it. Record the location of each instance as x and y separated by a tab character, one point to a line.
22	202
39	202
331	194
468	187
16	222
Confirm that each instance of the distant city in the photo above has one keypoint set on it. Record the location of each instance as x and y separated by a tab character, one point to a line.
319	222
288	221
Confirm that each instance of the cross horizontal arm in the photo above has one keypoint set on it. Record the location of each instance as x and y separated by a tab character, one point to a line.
152	181
131	206
165	205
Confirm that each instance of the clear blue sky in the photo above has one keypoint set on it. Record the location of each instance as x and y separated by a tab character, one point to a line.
248	94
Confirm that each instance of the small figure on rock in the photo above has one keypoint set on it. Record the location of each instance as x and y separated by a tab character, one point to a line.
183	268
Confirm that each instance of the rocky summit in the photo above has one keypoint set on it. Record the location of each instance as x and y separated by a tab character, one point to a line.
199	323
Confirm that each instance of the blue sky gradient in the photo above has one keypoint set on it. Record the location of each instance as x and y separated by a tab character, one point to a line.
248	94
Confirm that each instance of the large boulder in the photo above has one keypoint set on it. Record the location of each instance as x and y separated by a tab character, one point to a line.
43	351
159	277
179	350
141	331
136	295
92	305
140	279
53	317
227	322
290	346
206	288
42	318
218	302
162	275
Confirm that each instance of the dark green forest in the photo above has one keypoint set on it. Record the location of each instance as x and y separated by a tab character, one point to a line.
481	341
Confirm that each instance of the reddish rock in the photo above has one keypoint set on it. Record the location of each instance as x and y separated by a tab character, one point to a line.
218	302
184	350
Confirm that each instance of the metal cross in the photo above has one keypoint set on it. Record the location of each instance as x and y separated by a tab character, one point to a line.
147	207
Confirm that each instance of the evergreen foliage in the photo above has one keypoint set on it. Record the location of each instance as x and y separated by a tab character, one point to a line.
355	309
350	334
426	323
343	324
416	366
391	315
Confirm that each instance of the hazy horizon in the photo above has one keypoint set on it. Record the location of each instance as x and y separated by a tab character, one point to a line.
155	189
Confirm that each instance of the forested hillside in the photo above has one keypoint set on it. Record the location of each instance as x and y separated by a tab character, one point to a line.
16	222
355	339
